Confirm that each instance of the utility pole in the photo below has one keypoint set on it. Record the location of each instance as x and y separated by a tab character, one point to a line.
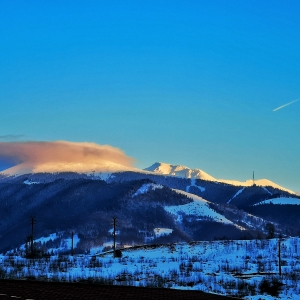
279	256
114	233
72	251
32	231
253	179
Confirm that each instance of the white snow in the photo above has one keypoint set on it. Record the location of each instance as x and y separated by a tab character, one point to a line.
103	176
111	231
237	193
162	231
146	187
185	172
199	207
193	183
66	243
281	200
259	182
52	236
230	268
29	182
179	171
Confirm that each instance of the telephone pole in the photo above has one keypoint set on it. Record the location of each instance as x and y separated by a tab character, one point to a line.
32	221
114	233
253	179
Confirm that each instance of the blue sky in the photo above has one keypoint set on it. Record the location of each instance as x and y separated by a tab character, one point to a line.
182	82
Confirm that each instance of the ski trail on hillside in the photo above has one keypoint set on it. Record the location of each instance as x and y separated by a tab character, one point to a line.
267	190
200	208
237	193
193	183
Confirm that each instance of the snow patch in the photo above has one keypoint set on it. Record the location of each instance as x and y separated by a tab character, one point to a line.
237	193
29	182
102	176
199	207
111	231
162	231
146	187
179	171
193	183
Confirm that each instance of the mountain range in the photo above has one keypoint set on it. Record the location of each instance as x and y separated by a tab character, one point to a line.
185	172
181	204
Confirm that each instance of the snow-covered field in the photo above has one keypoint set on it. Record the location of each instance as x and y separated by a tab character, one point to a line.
235	268
146	187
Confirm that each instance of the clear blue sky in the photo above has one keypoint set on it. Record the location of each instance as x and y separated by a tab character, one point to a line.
183	82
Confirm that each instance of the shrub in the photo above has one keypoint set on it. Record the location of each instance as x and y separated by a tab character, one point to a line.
272	287
118	253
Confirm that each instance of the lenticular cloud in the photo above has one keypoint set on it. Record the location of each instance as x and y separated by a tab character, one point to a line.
62	156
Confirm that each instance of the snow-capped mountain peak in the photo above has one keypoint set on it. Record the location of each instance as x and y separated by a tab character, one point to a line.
185	172
178	170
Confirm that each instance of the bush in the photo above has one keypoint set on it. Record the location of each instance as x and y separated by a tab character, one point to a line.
118	253
272	287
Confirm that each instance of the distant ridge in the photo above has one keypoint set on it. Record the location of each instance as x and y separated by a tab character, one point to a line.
180	171
185	172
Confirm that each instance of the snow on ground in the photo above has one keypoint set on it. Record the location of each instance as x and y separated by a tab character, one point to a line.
281	200
185	172
65	243
179	171
146	187
103	176
68	242
162	231
193	183
231	268
237	193
29	182
52	236
259	182
199	207
111	231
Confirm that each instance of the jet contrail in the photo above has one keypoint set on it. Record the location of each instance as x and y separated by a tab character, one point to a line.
282	106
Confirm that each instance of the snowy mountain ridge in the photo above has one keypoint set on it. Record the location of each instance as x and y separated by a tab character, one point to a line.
104	169
185	172
178	170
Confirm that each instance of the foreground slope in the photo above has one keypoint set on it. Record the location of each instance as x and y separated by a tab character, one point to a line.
244	269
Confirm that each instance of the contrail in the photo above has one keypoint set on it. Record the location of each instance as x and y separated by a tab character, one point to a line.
282	106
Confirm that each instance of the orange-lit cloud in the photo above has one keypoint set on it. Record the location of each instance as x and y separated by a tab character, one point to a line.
62	156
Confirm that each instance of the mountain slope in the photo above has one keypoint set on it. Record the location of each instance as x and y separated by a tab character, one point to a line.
85	205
